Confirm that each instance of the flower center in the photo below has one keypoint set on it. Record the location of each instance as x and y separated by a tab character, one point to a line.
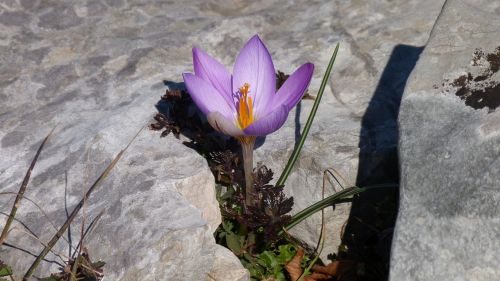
245	107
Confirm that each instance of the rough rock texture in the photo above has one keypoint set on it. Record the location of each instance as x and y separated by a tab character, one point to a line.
224	269
96	68
449	222
355	130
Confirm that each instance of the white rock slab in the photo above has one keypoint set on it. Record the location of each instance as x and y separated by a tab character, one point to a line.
449	224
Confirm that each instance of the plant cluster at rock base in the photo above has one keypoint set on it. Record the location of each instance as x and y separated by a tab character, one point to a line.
268	216
176	114
81	268
251	233
254	234
255	213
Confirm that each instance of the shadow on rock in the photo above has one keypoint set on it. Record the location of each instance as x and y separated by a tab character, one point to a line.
368	233
177	114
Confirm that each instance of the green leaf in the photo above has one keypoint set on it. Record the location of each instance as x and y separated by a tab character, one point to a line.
248	258
318	206
336	198
227	195
5	270
256	271
228	226
268	259
221	234
280	276
233	243
286	253
274	264
305	261
307	126
98	264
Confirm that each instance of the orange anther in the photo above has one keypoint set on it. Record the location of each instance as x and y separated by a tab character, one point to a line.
245	108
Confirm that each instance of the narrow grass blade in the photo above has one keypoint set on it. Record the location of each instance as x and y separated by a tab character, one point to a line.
19	248
21	191
75	211
26	198
89	229
296	151
321	240
339	197
328	201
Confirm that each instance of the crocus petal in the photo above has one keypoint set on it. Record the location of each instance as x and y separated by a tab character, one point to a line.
212	71
224	125
255	67
206	97
268	124
293	89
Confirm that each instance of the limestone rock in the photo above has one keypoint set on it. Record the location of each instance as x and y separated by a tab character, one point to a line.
355	130
96	68
227	267
449	224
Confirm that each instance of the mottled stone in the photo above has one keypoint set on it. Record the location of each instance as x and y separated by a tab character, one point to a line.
355	130
12	138
36	55
16	18
448	227
158	203
96	68
227	267
59	17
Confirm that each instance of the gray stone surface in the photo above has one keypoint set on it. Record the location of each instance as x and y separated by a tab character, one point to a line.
96	68
449	222
372	34
227	267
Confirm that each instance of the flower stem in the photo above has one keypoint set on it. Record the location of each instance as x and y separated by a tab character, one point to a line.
247	145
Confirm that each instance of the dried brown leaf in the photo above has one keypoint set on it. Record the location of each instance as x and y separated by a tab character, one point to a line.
336	268
317	276
293	267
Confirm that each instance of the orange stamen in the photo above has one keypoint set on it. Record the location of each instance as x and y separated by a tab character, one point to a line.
245	109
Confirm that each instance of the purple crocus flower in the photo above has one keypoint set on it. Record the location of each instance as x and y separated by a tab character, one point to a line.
245	103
